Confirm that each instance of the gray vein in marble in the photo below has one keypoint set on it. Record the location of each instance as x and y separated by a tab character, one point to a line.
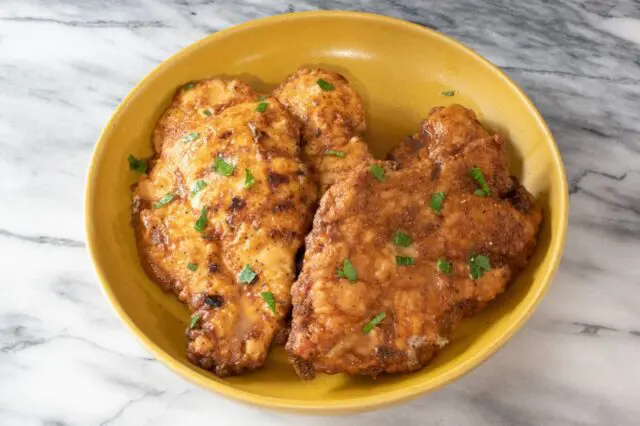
594	329
46	240
26	344
128	404
88	24
145	391
620	80
574	185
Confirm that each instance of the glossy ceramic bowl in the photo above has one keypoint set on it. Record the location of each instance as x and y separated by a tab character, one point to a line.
400	69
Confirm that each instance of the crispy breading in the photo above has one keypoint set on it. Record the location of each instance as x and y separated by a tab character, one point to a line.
236	172
332	121
422	303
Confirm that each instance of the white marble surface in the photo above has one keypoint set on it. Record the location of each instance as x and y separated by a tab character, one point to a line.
66	359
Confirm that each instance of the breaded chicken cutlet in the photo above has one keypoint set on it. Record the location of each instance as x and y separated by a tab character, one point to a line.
332	118
400	252
225	206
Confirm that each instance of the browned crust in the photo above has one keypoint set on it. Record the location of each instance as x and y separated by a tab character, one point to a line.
262	225
356	220
331	121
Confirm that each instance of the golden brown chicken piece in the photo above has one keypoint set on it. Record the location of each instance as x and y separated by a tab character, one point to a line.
220	216
193	105
449	128
398	256
452	136
332	119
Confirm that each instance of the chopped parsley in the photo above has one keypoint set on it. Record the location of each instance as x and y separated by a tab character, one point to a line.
163	201
444	266
401	239
137	165
198	186
325	85
247	275
194	320
375	321
339	154
405	261
478	176
378	172
207	112
223	168
249	180
436	201
192	267
267	296
478	265
190	85
190	137
201	223
262	106
348	271
448	92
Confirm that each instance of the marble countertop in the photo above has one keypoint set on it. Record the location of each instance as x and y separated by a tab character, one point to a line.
65	358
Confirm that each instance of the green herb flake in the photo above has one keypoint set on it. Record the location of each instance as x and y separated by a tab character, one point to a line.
207	113
223	168
348	271
190	137
448	92
201	223
249	180
436	201
267	296
247	275
339	154
198	186
478	176
478	265
137	165
405	261
325	85
378	172
375	321
190	85
192	267
401	239
194	320
262	106
444	266
163	201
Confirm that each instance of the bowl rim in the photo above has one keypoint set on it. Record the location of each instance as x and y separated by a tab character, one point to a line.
318	406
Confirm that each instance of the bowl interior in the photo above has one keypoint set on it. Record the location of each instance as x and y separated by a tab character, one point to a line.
400	70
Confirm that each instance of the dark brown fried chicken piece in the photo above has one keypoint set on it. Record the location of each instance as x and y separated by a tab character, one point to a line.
389	271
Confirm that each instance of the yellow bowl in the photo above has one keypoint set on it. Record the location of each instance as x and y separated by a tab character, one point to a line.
400	69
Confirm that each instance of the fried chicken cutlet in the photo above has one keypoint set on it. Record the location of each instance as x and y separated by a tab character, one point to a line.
332	118
401	252
225	206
